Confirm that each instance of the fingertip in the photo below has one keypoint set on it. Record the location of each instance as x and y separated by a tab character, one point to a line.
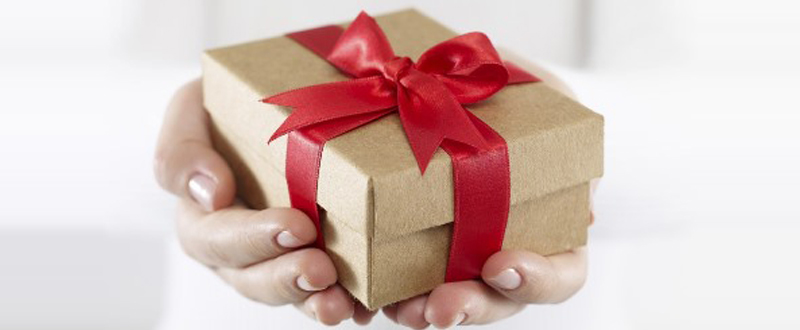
446	306
226	190
445	321
331	306
501	265
296	223
390	312
501	270
411	313
361	315
202	189
467	302
497	263
211	164
185	150
190	90
529	278
316	269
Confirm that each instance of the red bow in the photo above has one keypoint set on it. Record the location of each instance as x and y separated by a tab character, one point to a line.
428	94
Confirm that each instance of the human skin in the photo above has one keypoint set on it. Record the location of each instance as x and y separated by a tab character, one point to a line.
264	254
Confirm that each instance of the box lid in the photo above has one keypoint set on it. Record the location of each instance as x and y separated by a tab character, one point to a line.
369	177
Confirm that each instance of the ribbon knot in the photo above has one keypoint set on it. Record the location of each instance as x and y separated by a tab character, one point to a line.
396	67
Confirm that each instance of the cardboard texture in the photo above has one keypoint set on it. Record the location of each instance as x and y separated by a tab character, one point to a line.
386	226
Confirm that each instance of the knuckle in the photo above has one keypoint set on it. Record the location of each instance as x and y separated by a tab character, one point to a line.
250	288
259	244
185	246
188	246
173	163
210	250
259	285
216	250
284	286
168	166
289	293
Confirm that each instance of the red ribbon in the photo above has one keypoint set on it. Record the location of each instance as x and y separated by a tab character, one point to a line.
429	97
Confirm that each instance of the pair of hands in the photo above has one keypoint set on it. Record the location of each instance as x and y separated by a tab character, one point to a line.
263	254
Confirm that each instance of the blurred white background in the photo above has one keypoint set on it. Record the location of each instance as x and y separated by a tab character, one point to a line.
698	220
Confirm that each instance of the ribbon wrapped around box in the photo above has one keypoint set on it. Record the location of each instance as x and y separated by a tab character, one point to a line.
364	128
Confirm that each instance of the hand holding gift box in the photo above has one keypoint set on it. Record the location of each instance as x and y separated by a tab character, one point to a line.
386	226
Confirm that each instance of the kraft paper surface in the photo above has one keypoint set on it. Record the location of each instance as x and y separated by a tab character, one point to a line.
387	226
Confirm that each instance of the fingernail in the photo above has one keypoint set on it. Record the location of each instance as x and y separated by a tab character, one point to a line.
287	240
456	321
303	283
508	279
202	189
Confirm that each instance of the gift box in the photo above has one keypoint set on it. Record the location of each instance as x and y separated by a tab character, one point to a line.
387	226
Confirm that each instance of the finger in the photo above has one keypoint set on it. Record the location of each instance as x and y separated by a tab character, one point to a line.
236	237
390	312
546	76
467	302
411	312
186	163
530	278
362	315
290	278
330	306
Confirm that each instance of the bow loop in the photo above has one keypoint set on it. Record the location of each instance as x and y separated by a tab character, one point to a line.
468	64
362	49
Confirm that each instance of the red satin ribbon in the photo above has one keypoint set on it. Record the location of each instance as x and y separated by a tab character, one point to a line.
428	95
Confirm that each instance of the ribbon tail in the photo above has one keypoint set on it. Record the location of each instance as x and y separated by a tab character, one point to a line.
517	75
320	40
328	102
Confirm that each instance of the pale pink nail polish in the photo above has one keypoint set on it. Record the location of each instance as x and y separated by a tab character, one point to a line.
457	321
202	189
287	240
303	283
508	279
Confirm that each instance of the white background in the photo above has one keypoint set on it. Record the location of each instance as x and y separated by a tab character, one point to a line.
697	216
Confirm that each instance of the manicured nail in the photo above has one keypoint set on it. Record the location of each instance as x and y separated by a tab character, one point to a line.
302	282
456	321
287	240
508	279
202	189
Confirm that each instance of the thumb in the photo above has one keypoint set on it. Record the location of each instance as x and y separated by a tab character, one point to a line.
186	163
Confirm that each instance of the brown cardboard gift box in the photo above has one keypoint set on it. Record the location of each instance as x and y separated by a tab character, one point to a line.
386	226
